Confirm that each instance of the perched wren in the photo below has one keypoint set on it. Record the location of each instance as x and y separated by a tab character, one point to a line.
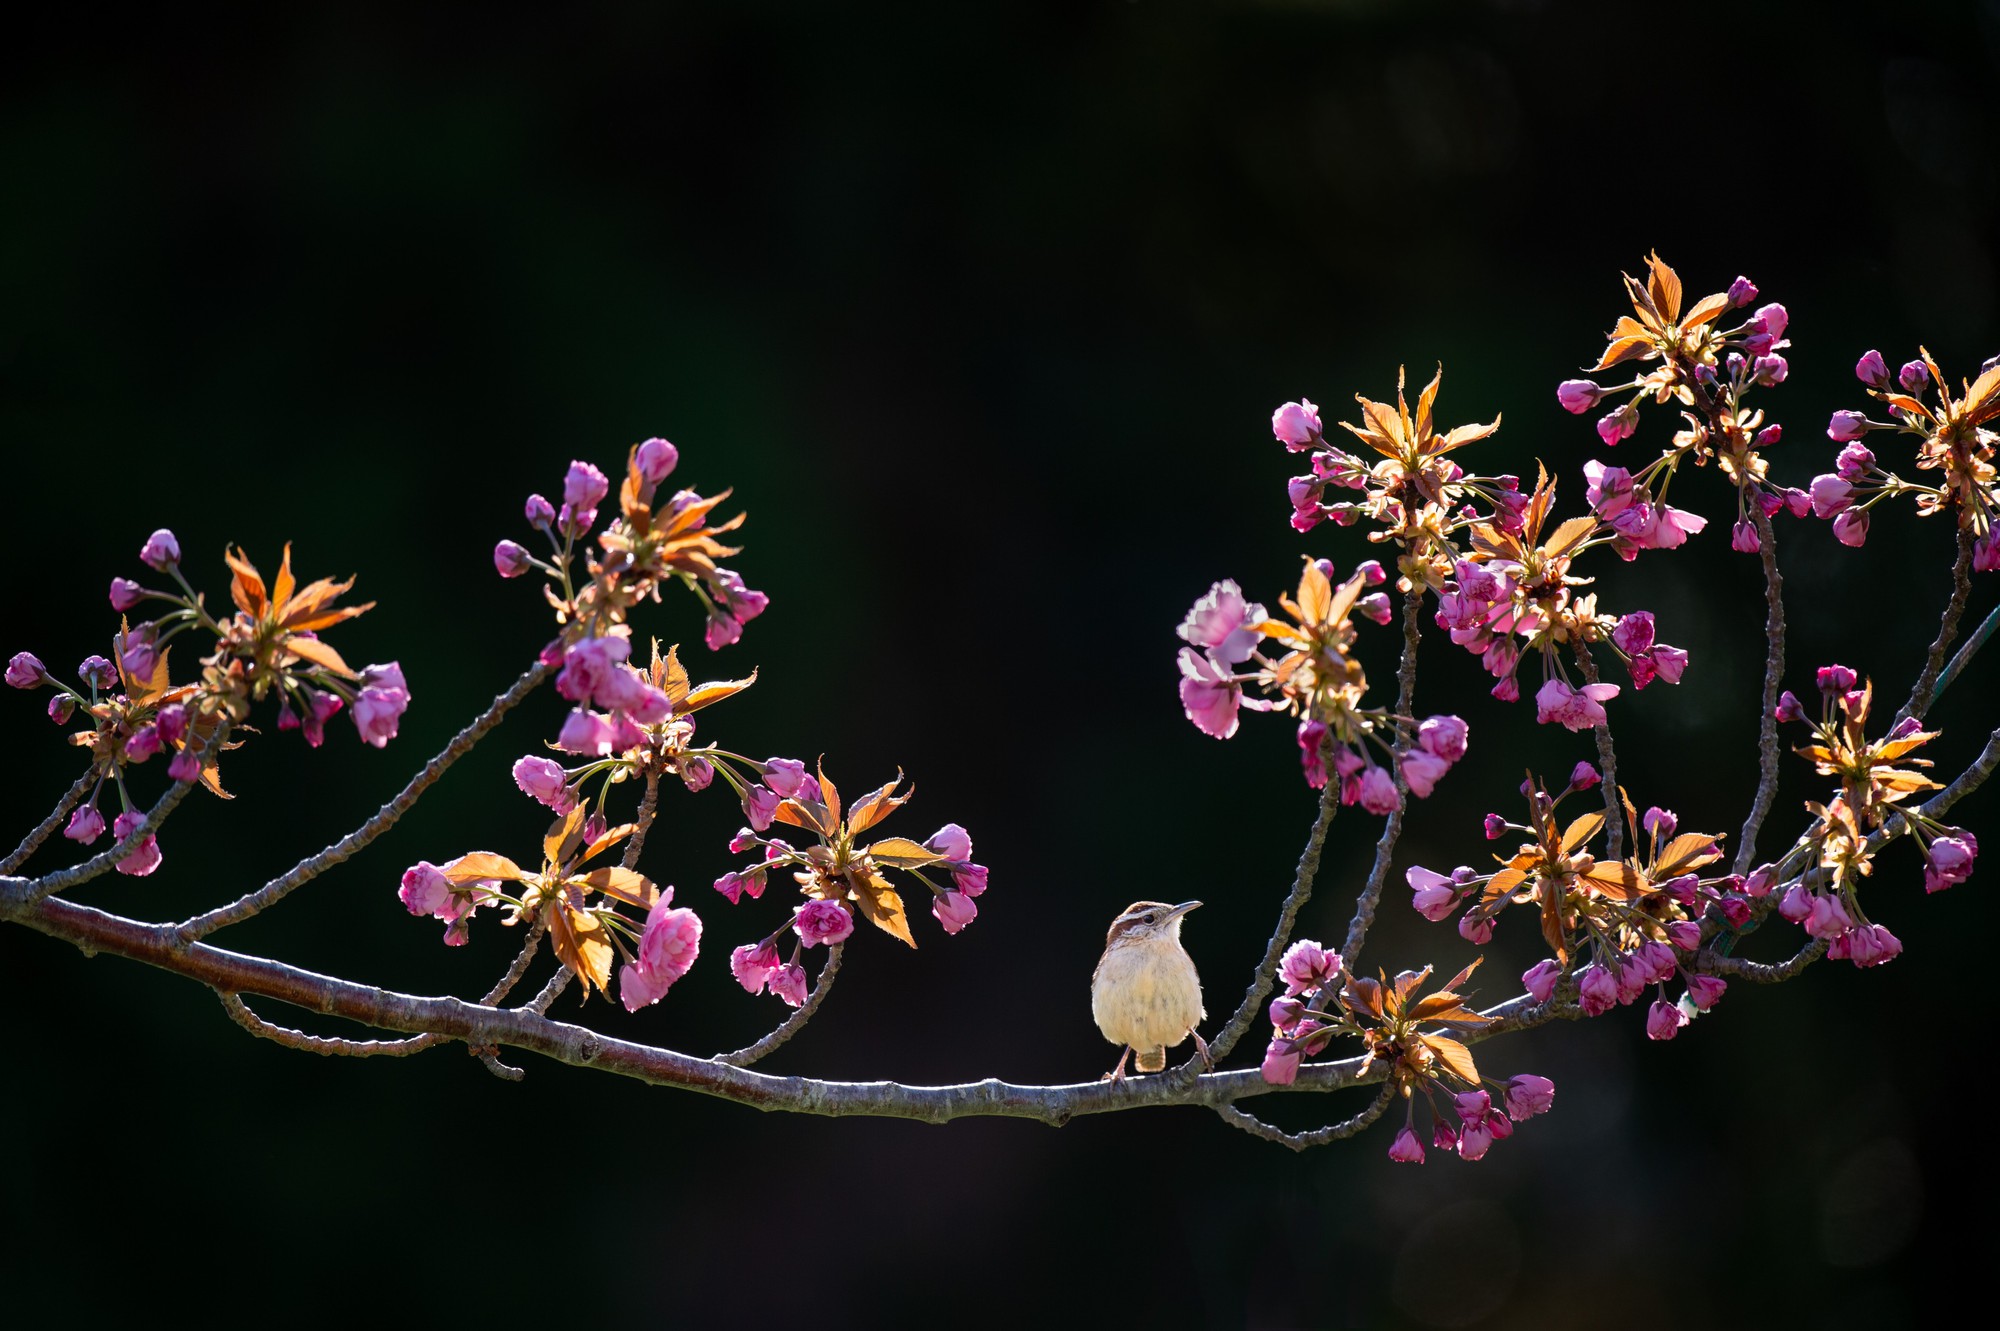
1145	994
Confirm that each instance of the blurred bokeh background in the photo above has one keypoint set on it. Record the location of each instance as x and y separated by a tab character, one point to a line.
982	311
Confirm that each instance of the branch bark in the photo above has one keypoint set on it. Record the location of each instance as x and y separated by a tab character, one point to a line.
200	926
1392	826
33	841
1925	690
1774	673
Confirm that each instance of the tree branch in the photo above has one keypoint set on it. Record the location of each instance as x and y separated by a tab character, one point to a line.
1757	972
32	842
1774	673
1288	917
1301	1141
306	870
240	1013
649	805
100	864
744	1057
1926	689
1980	637
1607	759
1392	826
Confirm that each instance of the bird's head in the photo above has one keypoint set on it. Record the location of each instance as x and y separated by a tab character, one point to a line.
1148	921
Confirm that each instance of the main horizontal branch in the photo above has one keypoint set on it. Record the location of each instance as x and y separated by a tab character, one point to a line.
521	1028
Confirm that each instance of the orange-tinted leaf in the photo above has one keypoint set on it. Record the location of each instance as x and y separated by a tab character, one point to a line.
876	805
1622	350
478	864
690	518
284	584
675	681
1408	982
1455	1056
246	586
902	853
1706	309
1617	880
1689	850
713	691
1502	883
805	813
311	597
1458	981
1385	421
1569	535
1580	831
1364	995
583	944
1982	400
832	794
880	904
1663	284
634	889
1344	598
611	837
1315	594
1425	401
1462	435
321	655
565	835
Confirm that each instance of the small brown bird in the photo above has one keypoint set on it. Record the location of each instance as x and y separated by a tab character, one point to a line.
1145	993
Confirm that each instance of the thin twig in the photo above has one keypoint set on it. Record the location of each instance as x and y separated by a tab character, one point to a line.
1757	972
505	985
1980	637
749	1054
385	818
649	804
240	1013
1774	672
542	1002
1607	759
1392	827
1281	937
1926	689
1300	1141
32	842
100	864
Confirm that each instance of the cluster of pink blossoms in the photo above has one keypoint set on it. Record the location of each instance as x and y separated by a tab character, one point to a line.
270	645
1408	1033
1709	372
1951	439
1306	667
836	874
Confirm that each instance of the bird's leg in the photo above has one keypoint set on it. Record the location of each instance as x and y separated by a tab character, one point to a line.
1201	1047
1118	1073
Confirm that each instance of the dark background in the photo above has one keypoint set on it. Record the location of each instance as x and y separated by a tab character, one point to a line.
983	314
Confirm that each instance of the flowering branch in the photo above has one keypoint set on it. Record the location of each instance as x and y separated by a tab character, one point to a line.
135	837
1607	762
386	817
744	1057
32	842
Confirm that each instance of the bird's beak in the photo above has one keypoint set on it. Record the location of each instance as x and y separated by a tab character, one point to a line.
1181	910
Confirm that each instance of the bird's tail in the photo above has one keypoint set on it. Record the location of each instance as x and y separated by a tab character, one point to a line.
1151	1060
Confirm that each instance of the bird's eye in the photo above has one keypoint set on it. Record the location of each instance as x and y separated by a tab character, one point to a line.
1152	918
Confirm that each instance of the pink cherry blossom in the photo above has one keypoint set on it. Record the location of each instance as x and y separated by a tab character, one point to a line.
1608	490
1540	979
146	857
161	551
760	805
588	733
1664	1020
511	559
1744	537
1296	424
1830	494
1850	527
588	664
753	965
789	983
1436	895
85	825
1375	790
584	486
1574	708
1223	624
543	779
1281	1063
823	922
1872	370
1949	860
426	891
184	766
380	705
656	459
1422	771
1307	965
1475	929
1578	395
1208	695
1597	988
1406	1149
951	841
1474	1139
954	909
1444	736
1620	424
667	949
1529	1095
1704	990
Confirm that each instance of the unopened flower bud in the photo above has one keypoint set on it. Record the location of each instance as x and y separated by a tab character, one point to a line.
1540	979
1836	679
541	514
125	594
1583	776
1578	395
1846	426
656	459
1296	424
1496	827
1741	292
1664	1020
1913	377
184	767
510	559
85	825
1406	1149
1771	370
1872	370
161	551
25	671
